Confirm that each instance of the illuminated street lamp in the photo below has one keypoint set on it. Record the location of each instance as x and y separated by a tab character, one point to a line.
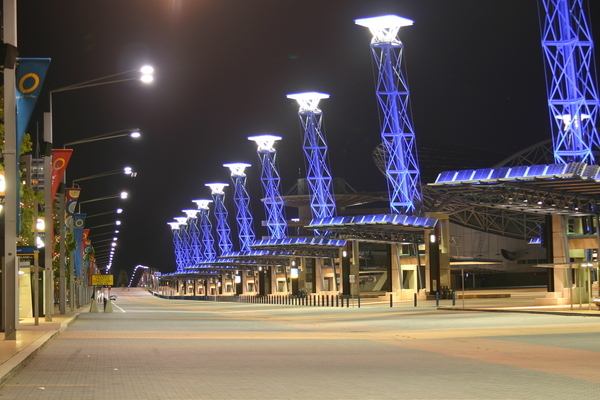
145	75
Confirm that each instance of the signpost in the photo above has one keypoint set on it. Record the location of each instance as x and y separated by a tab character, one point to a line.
102	280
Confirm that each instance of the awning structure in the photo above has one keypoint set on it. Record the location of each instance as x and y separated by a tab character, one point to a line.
572	265
549	189
396	228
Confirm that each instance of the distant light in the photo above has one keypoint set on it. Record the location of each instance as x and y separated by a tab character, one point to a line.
119	211
113	244
135	134
117	222
115	239
41	225
39	242
124	195
181	220
384	28
127	170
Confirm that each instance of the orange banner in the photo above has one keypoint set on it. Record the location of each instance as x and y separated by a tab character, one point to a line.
60	159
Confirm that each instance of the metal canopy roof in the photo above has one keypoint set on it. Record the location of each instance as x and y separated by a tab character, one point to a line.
559	189
309	247
377	227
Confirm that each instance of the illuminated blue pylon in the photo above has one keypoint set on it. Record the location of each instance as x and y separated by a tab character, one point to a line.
208	242
572	93
318	175
194	234
221	215
241	199
274	205
185	240
179	259
397	132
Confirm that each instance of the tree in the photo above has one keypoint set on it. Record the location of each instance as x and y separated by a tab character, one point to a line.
123	278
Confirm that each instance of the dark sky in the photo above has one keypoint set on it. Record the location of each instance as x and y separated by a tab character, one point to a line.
223	69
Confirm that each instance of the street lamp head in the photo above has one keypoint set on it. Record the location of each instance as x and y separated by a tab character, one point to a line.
135	133
124	195
217	188
119	210
147	72
237	169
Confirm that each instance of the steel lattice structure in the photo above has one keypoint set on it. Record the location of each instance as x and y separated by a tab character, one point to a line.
242	204
186	241
179	256
194	234
274	204
208	242
318	175
221	215
397	132
572	93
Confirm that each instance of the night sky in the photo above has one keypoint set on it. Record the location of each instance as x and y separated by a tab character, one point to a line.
222	72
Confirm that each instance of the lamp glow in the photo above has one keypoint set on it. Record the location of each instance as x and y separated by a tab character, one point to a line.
191	213
217	188
308	101
124	195
147	74
384	28
117	222
202	203
119	210
265	142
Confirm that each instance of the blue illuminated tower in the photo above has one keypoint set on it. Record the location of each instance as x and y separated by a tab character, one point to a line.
274	205
208	242
320	183
185	240
397	133
572	92
179	258
194	234
221	214
242	204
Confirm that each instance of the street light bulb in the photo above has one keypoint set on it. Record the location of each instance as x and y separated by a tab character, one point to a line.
135	134
147	72
113	244
123	195
127	170
117	222
119	211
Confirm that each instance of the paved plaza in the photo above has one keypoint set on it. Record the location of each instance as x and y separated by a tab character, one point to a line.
151	348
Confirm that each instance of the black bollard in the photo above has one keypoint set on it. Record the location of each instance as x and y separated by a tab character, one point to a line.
391	300
437	299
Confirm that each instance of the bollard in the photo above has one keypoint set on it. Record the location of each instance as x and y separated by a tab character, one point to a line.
453	298
347	301
437	299
359	301
391	300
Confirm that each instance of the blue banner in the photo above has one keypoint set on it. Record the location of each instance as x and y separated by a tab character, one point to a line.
78	223
31	73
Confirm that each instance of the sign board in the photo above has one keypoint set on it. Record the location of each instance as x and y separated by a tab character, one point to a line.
102	280
352	278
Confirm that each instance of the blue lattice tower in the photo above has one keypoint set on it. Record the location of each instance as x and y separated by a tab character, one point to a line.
179	257
221	215
397	132
208	242
572	92
274	205
318	175
186	242
194	234
241	199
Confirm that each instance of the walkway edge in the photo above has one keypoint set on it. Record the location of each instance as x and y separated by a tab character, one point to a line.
23	357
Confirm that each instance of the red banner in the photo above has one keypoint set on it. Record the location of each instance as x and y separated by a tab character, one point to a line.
60	159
